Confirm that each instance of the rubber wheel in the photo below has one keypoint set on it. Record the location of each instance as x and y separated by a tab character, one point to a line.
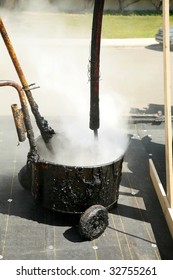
25	178
93	222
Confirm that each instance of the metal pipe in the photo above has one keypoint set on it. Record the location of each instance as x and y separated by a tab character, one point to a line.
46	131
95	64
19	122
27	120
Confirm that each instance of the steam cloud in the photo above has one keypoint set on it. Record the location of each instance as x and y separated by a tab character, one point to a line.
60	67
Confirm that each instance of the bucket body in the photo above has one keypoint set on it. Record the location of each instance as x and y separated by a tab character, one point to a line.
73	189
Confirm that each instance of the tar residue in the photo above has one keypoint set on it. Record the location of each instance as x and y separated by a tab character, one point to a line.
74	189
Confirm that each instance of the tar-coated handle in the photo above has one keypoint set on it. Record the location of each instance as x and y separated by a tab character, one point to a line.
95	62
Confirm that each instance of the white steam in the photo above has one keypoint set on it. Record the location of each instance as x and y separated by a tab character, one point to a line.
74	143
60	68
63	74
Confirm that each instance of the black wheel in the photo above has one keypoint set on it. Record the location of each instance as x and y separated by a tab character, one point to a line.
93	222
25	177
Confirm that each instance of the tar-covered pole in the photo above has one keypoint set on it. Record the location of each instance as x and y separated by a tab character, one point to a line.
95	63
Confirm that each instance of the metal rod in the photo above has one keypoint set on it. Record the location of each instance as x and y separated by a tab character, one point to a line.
96	133
95	63
46	131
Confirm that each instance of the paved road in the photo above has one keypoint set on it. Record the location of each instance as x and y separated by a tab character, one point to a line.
133	73
136	74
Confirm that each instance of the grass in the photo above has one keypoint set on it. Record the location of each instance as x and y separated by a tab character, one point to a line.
114	26
118	26
130	26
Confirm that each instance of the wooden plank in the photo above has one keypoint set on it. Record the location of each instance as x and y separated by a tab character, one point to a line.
167	210
167	100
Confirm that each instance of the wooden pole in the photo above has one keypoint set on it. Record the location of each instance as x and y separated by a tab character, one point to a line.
167	99
167	210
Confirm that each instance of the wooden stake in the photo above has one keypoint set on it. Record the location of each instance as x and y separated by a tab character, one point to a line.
167	210
167	98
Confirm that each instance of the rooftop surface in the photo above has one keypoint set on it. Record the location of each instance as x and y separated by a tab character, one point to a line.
137	229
